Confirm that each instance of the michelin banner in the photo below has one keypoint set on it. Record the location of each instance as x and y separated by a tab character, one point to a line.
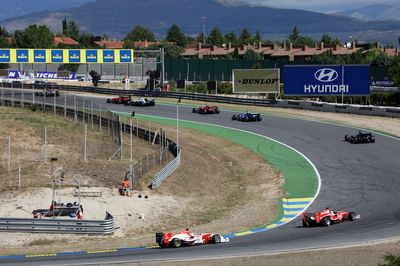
255	80
66	56
325	80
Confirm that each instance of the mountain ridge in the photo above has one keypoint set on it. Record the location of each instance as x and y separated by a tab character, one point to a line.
118	17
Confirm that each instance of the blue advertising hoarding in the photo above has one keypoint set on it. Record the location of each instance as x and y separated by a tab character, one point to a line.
125	56
327	80
92	56
57	56
22	55
108	56
39	56
5	56
74	56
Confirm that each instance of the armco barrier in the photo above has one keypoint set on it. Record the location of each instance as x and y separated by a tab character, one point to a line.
65	226
306	105
166	171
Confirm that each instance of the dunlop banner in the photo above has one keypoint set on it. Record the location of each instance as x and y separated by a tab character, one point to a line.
255	80
66	56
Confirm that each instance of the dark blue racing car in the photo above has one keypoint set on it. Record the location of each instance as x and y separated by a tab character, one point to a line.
247	117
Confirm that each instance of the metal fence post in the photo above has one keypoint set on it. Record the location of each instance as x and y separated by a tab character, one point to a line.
100	124
54	105
85	145
19	177
65	105
45	144
9	155
91	111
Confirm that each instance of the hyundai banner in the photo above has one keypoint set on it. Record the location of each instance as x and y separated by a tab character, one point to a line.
325	80
255	80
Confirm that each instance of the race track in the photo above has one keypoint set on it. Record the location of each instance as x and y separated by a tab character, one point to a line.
364	178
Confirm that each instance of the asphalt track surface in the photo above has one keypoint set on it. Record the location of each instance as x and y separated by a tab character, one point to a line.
364	178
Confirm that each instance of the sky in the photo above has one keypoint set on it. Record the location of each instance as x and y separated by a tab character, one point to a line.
324	6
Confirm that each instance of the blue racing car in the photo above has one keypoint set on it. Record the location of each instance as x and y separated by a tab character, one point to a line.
246	117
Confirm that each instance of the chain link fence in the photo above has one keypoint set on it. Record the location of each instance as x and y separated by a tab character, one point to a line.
116	133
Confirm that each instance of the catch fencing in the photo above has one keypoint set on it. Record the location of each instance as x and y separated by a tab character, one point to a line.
65	226
96	116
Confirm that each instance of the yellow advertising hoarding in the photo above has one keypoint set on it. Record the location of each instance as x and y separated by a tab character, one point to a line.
66	56
255	80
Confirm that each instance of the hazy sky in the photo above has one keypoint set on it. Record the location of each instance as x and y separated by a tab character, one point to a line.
323	5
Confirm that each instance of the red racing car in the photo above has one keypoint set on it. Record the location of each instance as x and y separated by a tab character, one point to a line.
206	110
119	100
185	238
327	217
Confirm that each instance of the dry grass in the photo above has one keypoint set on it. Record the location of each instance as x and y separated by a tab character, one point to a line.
213	190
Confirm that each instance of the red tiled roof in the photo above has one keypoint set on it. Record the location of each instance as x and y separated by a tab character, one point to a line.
110	44
65	40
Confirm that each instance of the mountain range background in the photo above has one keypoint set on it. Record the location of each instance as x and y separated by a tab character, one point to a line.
117	17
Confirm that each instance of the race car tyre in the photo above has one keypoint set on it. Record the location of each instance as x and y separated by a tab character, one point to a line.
346	138
259	119
234	117
176	242
326	221
108	101
194	110
373	141
217	112
305	223
216	239
352	216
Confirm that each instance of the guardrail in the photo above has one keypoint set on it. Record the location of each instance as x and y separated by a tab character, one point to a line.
167	170
64	226
306	105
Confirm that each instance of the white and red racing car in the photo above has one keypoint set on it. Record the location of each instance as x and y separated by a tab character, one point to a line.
185	238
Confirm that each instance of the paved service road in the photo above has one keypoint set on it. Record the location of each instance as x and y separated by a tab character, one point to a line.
364	178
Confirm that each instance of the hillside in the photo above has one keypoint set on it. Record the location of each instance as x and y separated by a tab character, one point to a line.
373	12
120	16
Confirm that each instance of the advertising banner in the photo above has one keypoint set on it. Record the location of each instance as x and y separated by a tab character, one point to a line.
57	56
52	75
327	80
22	56
108	56
126	56
92	56
66	56
255	80
5	56
39	56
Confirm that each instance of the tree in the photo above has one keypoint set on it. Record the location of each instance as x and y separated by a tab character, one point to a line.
216	37
64	27
139	33
172	50
73	30
3	35
394	70
34	37
231	38
294	36
174	34
85	40
258	37
250	54
200	38
245	37
326	39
